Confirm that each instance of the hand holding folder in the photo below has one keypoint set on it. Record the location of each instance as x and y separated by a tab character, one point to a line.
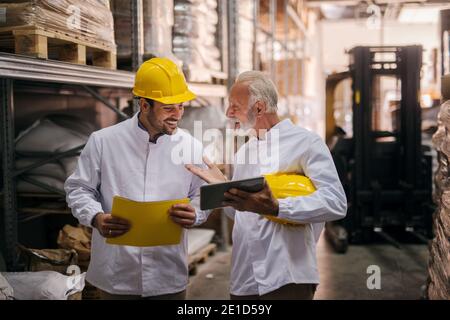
150	222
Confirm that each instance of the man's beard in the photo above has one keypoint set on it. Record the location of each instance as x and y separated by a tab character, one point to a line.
161	127
169	131
247	127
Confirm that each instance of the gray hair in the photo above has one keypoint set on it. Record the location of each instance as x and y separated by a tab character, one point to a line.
261	88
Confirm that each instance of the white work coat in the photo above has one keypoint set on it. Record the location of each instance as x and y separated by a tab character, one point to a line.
120	160
267	255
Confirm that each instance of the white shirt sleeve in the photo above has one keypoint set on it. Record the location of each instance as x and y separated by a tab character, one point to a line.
194	194
328	202
230	212
82	186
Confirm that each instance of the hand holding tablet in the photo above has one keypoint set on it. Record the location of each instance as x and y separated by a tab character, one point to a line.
212	195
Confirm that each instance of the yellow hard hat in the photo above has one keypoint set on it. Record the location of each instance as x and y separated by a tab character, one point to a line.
284	185
161	80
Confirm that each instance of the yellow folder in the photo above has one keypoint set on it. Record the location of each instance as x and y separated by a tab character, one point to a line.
150	222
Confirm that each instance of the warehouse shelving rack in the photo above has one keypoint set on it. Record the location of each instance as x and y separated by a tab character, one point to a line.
22	68
15	68
293	48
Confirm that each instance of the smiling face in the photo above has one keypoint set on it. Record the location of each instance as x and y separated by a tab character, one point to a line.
161	118
239	110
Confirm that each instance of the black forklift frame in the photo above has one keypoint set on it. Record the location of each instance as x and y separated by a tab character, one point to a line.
411	194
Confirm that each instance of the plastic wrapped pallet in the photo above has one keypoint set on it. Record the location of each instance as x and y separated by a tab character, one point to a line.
439	263
158	22
194	38
89	20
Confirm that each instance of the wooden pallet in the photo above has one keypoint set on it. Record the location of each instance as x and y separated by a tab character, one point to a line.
45	44
200	257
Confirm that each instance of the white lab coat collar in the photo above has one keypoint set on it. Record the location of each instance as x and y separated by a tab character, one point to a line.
142	135
283	125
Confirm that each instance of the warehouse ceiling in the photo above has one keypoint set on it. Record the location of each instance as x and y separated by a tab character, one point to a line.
408	11
293	26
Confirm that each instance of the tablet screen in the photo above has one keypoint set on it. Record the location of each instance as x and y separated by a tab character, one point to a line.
211	196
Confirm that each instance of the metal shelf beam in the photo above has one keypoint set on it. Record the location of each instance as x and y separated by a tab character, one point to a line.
137	34
232	23
8	214
32	69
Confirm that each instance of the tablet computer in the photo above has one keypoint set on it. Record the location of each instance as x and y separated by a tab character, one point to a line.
211	196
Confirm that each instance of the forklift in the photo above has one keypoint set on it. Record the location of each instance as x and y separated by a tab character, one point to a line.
384	168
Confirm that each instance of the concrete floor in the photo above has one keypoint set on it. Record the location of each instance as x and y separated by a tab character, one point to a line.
343	276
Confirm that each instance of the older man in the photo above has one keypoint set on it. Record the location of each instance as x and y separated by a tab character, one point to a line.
273	260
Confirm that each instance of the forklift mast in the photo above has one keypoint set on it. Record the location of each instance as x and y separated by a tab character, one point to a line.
406	66
386	174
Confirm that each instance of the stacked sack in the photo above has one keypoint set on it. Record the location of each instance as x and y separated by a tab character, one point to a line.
439	263
121	10
49	274
158	23
78	239
194	38
41	285
47	136
245	35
